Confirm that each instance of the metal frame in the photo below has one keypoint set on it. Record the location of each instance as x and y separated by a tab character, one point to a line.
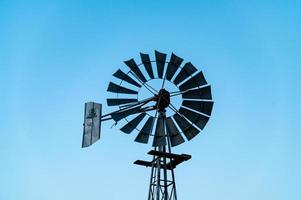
162	184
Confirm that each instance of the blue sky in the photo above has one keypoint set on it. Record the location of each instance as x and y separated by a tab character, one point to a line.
56	55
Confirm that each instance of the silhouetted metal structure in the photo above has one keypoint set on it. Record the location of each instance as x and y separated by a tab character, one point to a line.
148	115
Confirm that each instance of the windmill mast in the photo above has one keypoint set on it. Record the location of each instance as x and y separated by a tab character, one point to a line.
162	186
162	180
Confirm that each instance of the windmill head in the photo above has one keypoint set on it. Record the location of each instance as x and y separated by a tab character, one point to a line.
147	115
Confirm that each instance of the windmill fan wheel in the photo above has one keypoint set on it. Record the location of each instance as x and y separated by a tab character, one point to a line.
147	114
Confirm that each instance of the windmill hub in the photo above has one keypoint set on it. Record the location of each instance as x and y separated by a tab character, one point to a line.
162	99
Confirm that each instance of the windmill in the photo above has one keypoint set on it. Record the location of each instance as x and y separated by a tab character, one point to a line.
146	104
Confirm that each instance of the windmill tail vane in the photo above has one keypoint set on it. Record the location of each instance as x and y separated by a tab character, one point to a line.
155	114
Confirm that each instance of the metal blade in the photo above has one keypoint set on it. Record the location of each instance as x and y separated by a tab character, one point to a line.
200	93
119	89
195	81
146	130
129	127
173	65
147	64
159	138
185	72
201	106
123	76
198	119
187	128
173	133
134	67
117	116
116	102
160	60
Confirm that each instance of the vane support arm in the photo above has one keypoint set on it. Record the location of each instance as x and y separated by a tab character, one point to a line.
127	107
130	110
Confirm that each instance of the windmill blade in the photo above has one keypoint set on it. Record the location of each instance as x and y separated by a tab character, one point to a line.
160	60
195	81
201	106
130	126
173	133
117	116
185	72
159	138
119	89
146	130
134	67
187	128
200	93
198	119
116	102
173	65
147	64
123	76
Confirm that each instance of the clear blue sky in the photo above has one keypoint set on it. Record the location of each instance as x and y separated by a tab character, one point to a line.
56	55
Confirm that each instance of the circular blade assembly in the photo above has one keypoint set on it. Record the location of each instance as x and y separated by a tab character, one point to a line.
147	115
